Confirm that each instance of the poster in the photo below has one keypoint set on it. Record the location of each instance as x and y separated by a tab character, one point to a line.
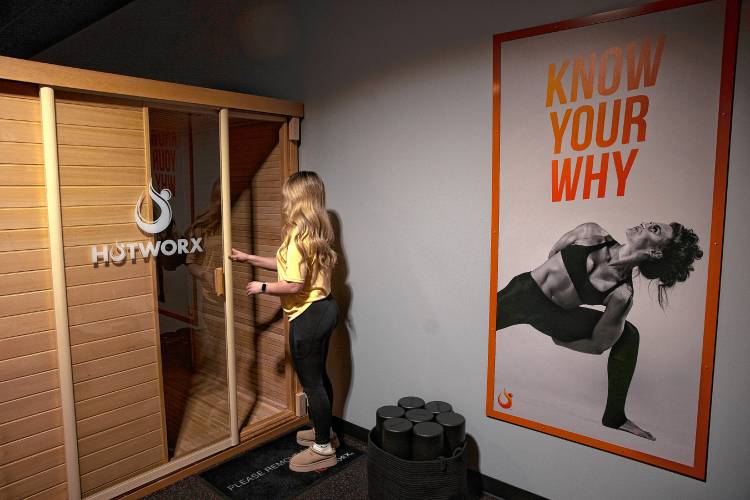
606	131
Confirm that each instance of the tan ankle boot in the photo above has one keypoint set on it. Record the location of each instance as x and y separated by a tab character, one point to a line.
310	460
306	437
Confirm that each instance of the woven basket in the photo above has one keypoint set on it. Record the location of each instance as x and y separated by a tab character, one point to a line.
390	477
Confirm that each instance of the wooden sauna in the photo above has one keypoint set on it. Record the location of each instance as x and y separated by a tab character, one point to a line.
130	355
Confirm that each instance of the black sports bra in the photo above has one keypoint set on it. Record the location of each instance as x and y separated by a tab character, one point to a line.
574	258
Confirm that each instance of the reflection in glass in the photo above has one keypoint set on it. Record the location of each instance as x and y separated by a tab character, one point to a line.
185	160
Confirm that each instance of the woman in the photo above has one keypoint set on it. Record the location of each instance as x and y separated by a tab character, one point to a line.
304	263
587	266
209	349
207	227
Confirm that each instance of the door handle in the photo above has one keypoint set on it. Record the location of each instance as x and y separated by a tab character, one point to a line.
219	281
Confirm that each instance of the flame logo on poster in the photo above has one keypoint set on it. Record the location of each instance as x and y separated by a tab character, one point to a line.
508	399
118	252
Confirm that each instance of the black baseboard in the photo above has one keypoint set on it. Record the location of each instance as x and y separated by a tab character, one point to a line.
343	427
478	482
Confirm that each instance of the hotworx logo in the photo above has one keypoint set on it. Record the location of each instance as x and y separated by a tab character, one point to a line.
505	400
118	252
161	200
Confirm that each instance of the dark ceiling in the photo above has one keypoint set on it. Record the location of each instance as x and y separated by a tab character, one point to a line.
27	27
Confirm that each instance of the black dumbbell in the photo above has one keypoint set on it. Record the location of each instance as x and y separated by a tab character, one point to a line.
386	413
454	426
436	407
397	437
426	441
418	415
411	403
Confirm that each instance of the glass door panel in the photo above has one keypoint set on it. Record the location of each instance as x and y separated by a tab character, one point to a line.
186	194
263	372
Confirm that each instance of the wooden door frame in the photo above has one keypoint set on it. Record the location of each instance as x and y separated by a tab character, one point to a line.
97	82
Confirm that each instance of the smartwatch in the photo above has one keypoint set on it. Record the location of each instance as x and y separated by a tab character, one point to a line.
263	287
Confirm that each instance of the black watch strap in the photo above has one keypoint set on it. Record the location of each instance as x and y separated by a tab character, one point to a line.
263	287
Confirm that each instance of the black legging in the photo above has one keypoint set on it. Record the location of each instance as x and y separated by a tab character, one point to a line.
309	334
523	302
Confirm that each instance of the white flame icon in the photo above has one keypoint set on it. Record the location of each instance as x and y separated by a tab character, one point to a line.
165	217
119	248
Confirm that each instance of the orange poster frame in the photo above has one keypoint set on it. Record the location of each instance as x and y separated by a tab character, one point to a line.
729	55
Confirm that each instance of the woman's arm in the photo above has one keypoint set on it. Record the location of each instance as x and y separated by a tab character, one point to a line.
609	327
581	232
255	260
277	288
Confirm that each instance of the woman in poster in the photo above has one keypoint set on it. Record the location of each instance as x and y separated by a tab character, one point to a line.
587	266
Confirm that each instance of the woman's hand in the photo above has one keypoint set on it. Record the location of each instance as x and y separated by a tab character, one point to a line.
254	260
253	288
275	288
585	231
610	325
238	256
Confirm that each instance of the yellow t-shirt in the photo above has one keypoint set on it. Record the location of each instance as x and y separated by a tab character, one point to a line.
291	267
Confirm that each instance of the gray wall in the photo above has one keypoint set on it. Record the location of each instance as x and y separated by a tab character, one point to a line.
398	123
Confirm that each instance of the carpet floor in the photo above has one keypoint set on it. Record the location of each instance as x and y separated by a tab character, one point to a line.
349	483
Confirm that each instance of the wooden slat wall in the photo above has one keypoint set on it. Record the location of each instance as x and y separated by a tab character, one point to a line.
256	175
111	312
32	458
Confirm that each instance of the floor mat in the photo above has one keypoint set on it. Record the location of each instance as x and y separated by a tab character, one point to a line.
264	472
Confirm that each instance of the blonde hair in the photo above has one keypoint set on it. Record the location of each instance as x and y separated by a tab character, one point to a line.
209	220
303	207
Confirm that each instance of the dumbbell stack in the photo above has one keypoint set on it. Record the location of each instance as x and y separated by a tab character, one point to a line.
415	430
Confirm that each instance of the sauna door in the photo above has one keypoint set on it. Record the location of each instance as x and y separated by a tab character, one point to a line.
184	197
258	167
204	312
